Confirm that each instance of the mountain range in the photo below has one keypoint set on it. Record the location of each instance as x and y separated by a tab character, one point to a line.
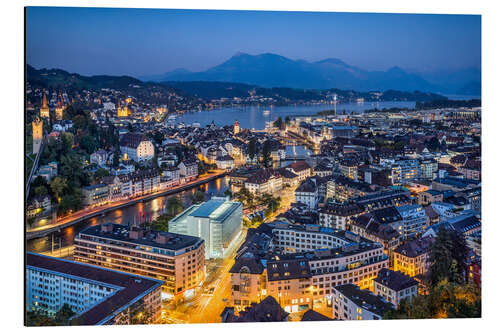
199	91
272	70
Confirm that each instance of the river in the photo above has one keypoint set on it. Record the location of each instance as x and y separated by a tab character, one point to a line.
127	215
248	117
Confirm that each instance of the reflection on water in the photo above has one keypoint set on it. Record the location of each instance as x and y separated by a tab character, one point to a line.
253	117
128	215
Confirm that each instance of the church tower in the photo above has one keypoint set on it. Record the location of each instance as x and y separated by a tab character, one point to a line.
122	111
44	110
236	127
59	108
37	127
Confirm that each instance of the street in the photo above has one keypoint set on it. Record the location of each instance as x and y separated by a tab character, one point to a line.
206	306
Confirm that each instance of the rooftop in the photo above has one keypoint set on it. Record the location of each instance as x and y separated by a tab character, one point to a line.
395	280
364	299
120	232
130	287
215	209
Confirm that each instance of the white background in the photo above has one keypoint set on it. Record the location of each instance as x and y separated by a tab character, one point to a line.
11	160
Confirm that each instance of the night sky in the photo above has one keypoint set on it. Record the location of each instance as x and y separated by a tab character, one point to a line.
153	41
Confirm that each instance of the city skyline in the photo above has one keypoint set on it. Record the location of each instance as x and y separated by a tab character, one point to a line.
141	42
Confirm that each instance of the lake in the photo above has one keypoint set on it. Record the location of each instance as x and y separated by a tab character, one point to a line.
255	117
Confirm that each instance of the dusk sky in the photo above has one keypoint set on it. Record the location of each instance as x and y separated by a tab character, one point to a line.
153	41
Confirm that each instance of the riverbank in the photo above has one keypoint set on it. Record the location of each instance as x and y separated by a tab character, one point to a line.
102	210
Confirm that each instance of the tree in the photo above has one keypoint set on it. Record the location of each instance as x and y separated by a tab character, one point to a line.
88	144
198	197
58	185
64	314
252	148
433	144
61	318
266	154
448	257
278	123
71	202
116	159
100	174
41	191
67	142
202	169
174	205
157	137
445	300
161	223
287	120
79	122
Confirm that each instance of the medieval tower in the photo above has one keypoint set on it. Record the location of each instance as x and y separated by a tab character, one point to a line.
59	108
37	126
44	110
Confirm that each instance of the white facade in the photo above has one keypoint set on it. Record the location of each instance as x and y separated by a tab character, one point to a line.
218	222
394	296
144	151
308	198
47	291
350	303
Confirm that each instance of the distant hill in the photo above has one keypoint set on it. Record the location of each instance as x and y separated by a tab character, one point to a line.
62	80
58	79
272	70
215	90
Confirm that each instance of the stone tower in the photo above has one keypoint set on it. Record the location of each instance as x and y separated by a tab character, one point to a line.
236	127
59	108
44	110
37	126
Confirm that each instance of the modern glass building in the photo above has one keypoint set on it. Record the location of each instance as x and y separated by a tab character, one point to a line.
217	222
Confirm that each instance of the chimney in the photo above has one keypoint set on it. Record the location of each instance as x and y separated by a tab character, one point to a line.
107	227
162	238
135	233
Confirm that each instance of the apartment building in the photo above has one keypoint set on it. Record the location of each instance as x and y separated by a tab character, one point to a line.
307	193
429	196
301	169
188	169
349	169
95	195
411	258
339	215
137	147
403	171
343	189
366	226
177	260
395	286
264	181
428	168
143	182
409	220
352	303
299	264
98	296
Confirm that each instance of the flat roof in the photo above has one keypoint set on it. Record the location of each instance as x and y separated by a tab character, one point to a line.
130	287
207	208
121	233
215	209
